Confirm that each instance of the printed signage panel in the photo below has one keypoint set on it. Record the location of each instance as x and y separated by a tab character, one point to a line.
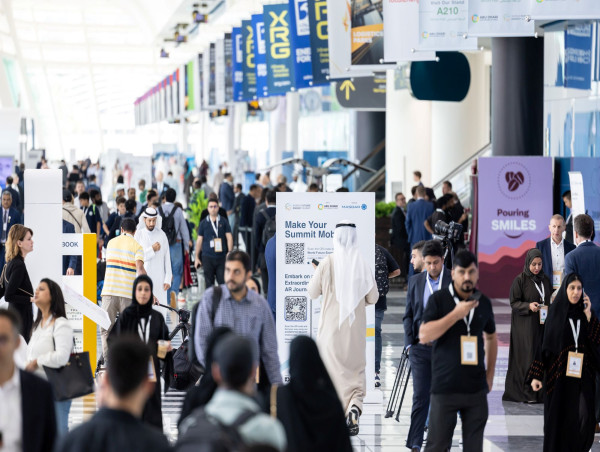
280	63
305	227
260	48
514	213
317	11
367	32
228	49
499	18
578	56
443	26
248	61
238	58
564	9
220	72
300	32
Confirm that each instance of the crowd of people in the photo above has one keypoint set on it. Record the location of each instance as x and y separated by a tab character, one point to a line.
240	402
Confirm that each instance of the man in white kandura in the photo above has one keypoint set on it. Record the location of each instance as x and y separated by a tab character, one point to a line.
157	259
347	284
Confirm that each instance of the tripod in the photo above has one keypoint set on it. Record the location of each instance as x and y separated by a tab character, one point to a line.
184	322
400	385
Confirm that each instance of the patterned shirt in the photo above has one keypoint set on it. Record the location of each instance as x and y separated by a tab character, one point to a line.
251	317
122	253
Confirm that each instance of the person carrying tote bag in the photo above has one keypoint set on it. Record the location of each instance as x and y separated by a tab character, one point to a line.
51	341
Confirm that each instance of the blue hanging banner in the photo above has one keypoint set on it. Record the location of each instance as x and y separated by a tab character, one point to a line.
319	49
280	63
248	61
260	52
238	58
300	31
578	56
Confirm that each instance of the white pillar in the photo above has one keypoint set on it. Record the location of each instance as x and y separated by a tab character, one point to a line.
459	129
292	103
408	138
280	130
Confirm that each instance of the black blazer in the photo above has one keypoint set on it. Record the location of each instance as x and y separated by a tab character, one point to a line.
39	418
414	304
546	248
399	237
18	285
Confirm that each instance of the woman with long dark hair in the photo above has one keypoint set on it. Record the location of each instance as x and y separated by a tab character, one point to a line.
529	299
18	289
140	319
567	363
51	341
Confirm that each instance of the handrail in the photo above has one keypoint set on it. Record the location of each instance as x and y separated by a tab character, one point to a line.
376	150
374	181
462	166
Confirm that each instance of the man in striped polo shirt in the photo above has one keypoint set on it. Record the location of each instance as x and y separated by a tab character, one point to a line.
124	261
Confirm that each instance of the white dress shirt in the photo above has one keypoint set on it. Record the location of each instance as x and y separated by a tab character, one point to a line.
558	255
41	345
11	414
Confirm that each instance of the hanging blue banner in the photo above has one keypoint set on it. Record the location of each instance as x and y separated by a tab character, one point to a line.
319	49
300	31
260	55
280	63
248	61
578	56
238	58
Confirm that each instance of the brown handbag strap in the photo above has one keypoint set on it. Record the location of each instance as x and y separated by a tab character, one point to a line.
274	401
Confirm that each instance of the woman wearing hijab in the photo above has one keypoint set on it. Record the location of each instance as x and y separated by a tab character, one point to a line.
198	396
140	319
347	284
308	407
529	299
568	361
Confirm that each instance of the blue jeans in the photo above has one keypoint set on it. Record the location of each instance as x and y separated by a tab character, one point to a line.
176	267
379	313
62	416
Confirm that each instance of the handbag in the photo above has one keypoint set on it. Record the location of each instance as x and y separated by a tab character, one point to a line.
74	379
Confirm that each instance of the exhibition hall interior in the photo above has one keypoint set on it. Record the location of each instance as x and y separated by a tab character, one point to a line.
300	225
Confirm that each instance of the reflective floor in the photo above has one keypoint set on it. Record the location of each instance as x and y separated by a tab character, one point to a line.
511	426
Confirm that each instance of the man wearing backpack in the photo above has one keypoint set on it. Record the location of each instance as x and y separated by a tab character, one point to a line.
178	234
232	420
214	241
264	228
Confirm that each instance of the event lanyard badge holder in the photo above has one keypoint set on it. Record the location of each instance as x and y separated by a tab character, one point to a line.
543	307
556	279
575	360
216	243
468	343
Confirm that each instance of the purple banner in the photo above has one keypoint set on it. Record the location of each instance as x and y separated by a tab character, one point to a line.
514	210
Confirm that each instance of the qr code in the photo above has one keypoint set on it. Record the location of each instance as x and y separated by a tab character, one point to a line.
294	253
295	309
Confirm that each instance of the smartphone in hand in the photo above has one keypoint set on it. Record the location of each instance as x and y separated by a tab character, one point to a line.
315	262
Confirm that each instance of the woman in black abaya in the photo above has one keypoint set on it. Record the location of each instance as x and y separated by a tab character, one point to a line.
529	291
309	407
569	417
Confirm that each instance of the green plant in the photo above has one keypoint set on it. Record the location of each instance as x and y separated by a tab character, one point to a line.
384	209
198	203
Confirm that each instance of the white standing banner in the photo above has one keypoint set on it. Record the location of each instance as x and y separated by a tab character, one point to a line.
401	32
443	25
305	226
499	18
564	9
220	71
577	198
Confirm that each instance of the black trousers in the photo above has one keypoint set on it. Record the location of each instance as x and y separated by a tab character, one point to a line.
26	314
473	409
214	267
420	364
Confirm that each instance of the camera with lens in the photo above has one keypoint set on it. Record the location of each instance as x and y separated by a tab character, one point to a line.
448	231
184	316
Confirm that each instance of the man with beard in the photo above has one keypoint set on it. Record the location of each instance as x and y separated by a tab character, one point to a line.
460	322
157	259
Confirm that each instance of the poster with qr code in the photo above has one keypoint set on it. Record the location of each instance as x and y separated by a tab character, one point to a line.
306	224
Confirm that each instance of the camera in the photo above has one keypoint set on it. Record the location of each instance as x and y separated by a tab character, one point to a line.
451	231
184	316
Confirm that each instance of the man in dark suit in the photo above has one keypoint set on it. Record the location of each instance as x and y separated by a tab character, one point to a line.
160	186
399	236
420	287
566	197
31	425
10	216
16	198
554	249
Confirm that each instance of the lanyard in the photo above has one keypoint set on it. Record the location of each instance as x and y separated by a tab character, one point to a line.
144	331
215	228
542	292
439	282
575	333
471	312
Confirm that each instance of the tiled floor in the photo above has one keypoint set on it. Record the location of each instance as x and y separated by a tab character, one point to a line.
511	427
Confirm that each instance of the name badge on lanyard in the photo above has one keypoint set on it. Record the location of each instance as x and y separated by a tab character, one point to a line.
216	243
575	360
468	343
556	279
543	308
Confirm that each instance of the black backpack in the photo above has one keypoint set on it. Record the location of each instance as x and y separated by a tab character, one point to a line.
270	227
185	373
201	432
168	225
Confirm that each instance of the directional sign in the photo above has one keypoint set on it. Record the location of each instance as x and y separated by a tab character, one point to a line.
366	93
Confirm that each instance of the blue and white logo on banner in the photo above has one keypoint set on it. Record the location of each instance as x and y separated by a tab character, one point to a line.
260	47
248	61
578	56
238	58
300	30
280	63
